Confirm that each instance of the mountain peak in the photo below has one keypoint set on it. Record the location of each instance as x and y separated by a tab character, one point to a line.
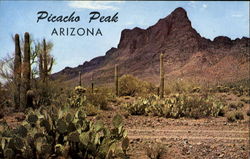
179	10
187	54
178	15
176	23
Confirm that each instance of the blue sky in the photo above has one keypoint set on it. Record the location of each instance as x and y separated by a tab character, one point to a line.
210	19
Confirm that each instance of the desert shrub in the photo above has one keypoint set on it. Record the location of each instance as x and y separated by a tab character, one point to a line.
46	93
182	86
63	133
238	88
146	88
239	115
98	100
222	89
175	106
6	105
231	117
132	86
156	151
128	85
91	110
235	105
234	116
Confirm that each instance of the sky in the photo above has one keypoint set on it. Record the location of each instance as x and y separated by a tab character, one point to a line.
210	19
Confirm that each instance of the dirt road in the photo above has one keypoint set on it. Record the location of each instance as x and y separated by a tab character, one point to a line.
189	138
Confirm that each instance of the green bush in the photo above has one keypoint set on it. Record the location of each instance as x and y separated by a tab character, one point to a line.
132	86
175	106
128	85
99	100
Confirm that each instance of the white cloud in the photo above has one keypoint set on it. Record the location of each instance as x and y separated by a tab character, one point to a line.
129	23
204	5
237	15
102	5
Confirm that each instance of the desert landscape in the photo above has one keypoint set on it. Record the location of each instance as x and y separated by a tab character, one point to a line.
164	92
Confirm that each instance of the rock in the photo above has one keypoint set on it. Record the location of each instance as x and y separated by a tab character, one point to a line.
221	155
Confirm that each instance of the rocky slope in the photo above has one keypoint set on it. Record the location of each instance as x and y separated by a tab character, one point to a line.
187	55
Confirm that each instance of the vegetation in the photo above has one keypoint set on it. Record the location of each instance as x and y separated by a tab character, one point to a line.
156	151
116	81
176	106
234	116
161	89
132	86
20	71
56	124
63	132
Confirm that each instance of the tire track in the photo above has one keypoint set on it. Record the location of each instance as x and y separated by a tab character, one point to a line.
230	136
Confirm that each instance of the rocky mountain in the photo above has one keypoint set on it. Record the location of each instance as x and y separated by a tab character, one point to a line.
187	55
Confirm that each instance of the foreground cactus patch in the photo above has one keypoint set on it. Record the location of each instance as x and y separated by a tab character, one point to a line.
70	135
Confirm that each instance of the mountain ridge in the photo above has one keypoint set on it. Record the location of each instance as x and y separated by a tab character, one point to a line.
138	49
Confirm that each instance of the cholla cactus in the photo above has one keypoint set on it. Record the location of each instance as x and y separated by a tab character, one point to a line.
17	71
161	76
80	90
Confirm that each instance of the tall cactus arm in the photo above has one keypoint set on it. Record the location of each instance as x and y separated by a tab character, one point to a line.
51	64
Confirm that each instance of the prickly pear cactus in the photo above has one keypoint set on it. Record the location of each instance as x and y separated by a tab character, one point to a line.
66	134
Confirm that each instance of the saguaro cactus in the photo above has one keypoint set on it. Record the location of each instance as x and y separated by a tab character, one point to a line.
17	72
45	62
80	78
116	81
26	66
92	84
161	76
41	72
